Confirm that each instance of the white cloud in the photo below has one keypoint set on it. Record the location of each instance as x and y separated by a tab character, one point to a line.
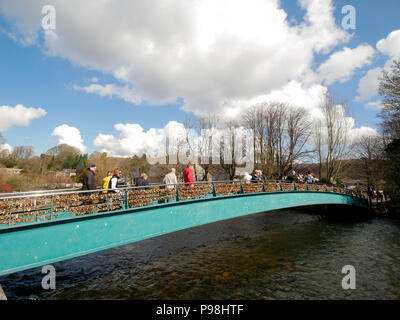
297	95
18	116
25	22
390	46
110	90
375	105
70	136
369	85
134	140
211	54
341	65
356	133
214	56
6	147
320	29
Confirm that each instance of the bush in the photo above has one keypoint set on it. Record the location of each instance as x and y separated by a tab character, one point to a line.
5	188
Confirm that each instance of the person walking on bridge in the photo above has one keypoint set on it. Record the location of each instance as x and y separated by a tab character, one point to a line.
112	186
170	180
89	179
106	181
188	175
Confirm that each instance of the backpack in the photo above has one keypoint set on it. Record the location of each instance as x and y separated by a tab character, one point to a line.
106	183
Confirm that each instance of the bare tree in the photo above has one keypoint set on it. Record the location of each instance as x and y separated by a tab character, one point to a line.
298	132
251	121
369	148
336	135
22	153
318	142
228	144
206	127
281	133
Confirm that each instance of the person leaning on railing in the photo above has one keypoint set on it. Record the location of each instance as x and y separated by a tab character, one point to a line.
292	177
112	186
309	178
246	177
142	182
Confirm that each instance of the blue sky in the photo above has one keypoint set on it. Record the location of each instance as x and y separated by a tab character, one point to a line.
32	79
35	79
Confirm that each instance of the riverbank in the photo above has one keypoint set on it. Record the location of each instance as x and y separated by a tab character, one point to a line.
339	212
387	210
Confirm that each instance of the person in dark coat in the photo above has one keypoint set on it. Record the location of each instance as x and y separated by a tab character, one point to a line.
260	176
254	176
142	182
89	179
292	177
89	183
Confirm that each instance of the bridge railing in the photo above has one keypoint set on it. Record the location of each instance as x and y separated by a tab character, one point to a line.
41	206
36	192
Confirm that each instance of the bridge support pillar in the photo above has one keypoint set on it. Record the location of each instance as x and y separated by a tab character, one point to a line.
2	294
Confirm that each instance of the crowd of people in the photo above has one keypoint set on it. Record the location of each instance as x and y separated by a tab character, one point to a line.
299	177
113	181
257	176
378	195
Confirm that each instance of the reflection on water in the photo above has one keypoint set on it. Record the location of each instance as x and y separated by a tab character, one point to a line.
277	255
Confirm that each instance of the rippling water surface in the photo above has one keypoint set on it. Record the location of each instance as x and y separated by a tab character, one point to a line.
276	255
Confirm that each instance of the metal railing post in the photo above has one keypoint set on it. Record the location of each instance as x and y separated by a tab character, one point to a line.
214	192
126	200
177	193
52	206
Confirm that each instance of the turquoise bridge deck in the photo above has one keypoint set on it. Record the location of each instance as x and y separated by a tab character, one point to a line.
42	228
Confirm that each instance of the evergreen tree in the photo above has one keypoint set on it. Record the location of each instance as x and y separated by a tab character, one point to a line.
82	164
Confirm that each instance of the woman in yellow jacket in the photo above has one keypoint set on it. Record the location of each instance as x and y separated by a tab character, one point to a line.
106	181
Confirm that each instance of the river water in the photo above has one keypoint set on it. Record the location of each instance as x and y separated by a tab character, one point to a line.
285	254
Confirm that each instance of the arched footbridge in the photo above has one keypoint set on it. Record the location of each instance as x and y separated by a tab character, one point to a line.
40	228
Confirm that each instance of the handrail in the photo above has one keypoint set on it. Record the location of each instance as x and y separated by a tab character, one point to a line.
46	206
40	193
2	195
